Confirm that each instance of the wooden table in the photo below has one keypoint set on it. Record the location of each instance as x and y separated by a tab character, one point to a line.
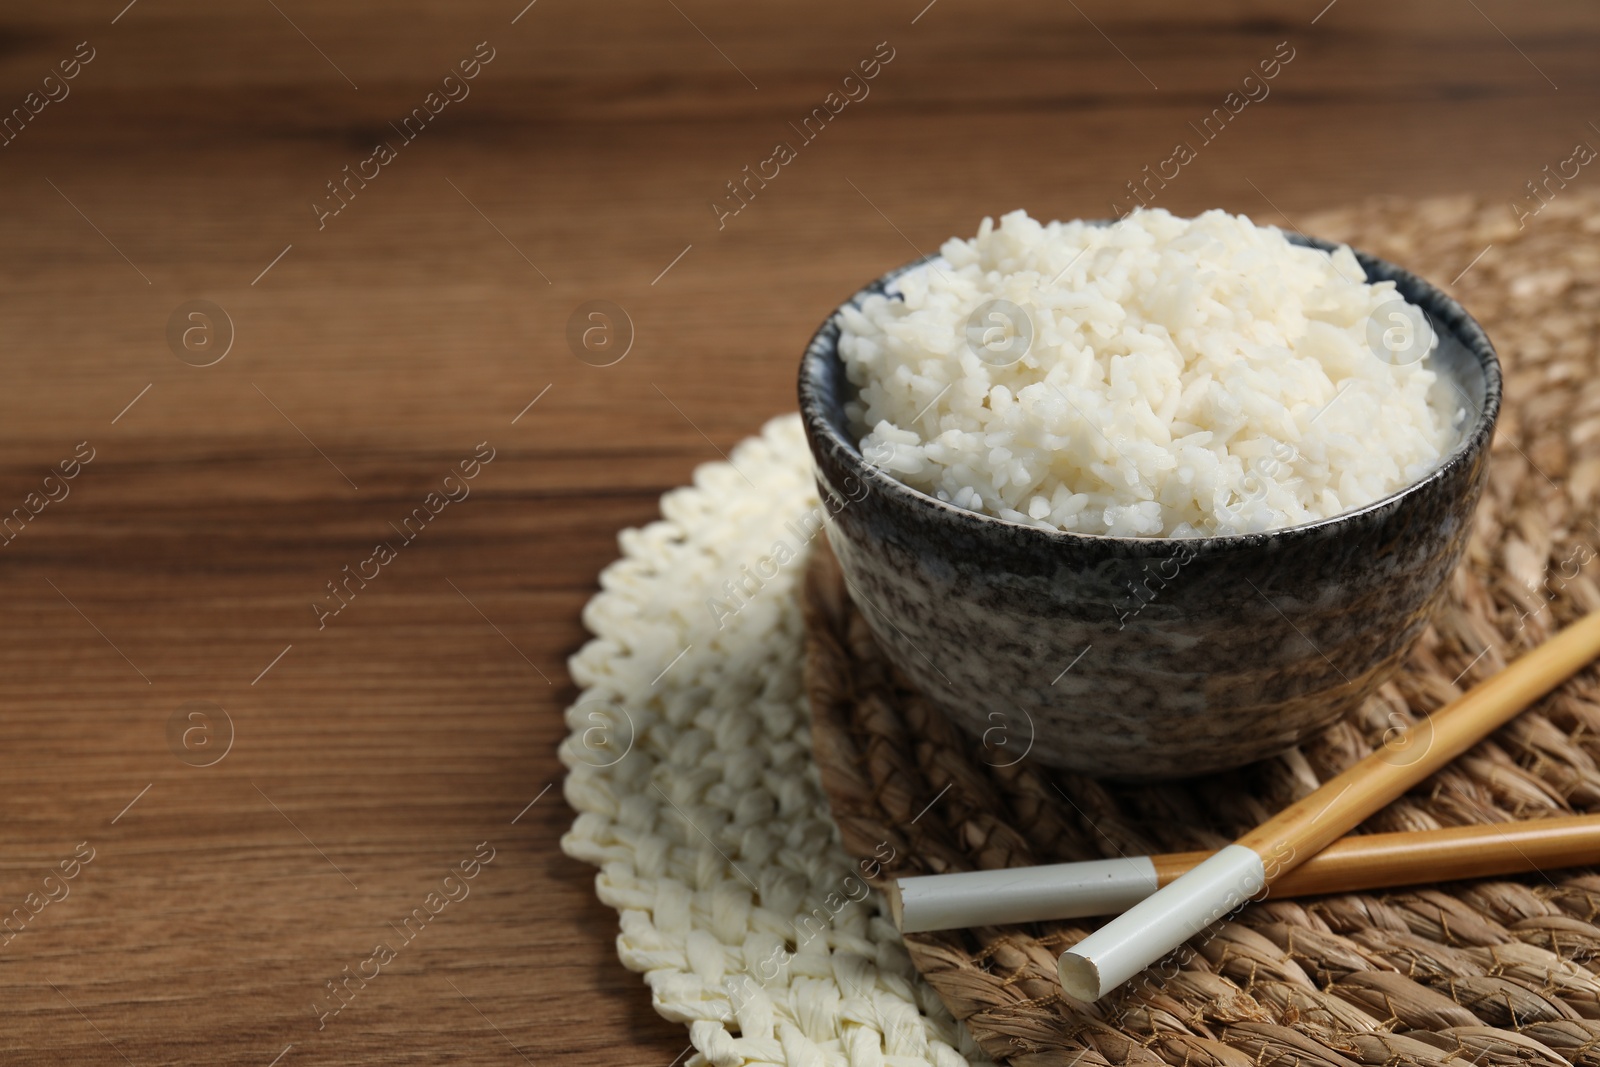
373	350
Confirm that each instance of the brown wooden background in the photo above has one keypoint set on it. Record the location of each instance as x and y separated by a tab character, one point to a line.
379	751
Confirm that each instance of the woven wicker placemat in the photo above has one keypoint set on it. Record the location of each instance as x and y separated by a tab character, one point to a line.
1491	971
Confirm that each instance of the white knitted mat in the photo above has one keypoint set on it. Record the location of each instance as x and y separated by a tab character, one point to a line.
690	767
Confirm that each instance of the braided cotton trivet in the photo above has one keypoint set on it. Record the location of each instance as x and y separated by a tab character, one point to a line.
1496	971
690	765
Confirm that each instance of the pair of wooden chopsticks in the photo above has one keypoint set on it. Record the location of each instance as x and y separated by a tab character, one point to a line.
1165	900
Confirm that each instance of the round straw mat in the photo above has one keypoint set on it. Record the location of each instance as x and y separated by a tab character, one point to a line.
1495	971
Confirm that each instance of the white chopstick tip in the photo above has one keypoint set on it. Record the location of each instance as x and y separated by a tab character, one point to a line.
891	893
964	899
1155	926
1079	977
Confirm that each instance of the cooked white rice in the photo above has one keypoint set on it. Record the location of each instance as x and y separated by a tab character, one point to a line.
1184	377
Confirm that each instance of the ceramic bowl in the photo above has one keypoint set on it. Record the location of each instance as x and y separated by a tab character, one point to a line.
1148	658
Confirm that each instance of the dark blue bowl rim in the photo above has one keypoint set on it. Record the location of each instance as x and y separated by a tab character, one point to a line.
1442	308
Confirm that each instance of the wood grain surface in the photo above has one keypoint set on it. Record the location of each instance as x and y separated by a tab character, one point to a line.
374	351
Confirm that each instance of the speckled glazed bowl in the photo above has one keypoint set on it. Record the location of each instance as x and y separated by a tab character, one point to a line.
1143	658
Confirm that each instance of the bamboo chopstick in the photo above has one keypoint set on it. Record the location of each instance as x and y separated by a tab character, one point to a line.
1176	912
1365	861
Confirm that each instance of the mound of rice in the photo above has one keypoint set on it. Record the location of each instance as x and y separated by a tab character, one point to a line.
1162	377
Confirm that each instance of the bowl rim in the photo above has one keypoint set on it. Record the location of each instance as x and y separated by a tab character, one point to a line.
1437	304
